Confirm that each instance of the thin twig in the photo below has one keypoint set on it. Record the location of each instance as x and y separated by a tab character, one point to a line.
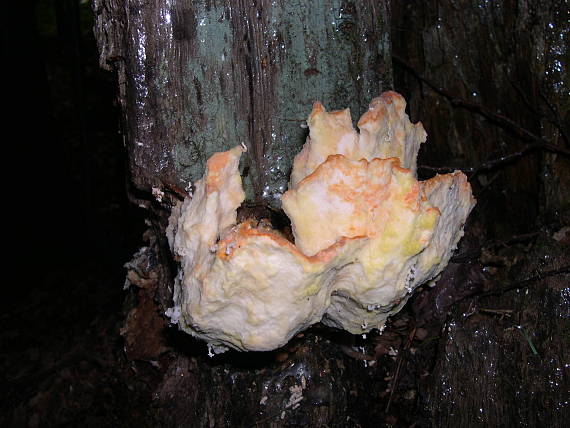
502	312
470	255
525	99
487	186
400	363
536	142
554	120
557	122
492	164
500	161
527	337
525	282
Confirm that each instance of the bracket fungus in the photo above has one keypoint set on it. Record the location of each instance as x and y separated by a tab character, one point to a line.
367	233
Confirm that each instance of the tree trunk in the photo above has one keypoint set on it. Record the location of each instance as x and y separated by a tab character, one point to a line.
502	56
198	77
502	357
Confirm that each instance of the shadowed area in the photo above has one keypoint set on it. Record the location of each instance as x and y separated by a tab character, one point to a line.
489	82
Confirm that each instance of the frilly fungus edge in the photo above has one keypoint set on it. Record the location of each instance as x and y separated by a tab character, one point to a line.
367	233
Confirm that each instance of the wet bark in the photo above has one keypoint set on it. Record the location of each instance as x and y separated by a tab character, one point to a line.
197	77
507	57
200	77
502	357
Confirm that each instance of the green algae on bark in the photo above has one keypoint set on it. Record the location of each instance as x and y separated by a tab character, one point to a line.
200	77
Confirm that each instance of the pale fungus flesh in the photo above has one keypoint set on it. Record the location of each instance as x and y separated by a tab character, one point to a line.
367	233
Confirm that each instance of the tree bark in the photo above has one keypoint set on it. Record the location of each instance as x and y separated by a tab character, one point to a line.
502	56
198	77
502	355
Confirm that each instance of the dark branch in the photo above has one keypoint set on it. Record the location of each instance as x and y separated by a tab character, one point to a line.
473	254
494	163
525	282
557	121
503	122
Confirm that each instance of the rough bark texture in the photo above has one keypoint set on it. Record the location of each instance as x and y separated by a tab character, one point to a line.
509	57
453	356
503	358
198	77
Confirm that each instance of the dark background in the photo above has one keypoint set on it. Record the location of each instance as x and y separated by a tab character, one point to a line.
71	226
67	177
